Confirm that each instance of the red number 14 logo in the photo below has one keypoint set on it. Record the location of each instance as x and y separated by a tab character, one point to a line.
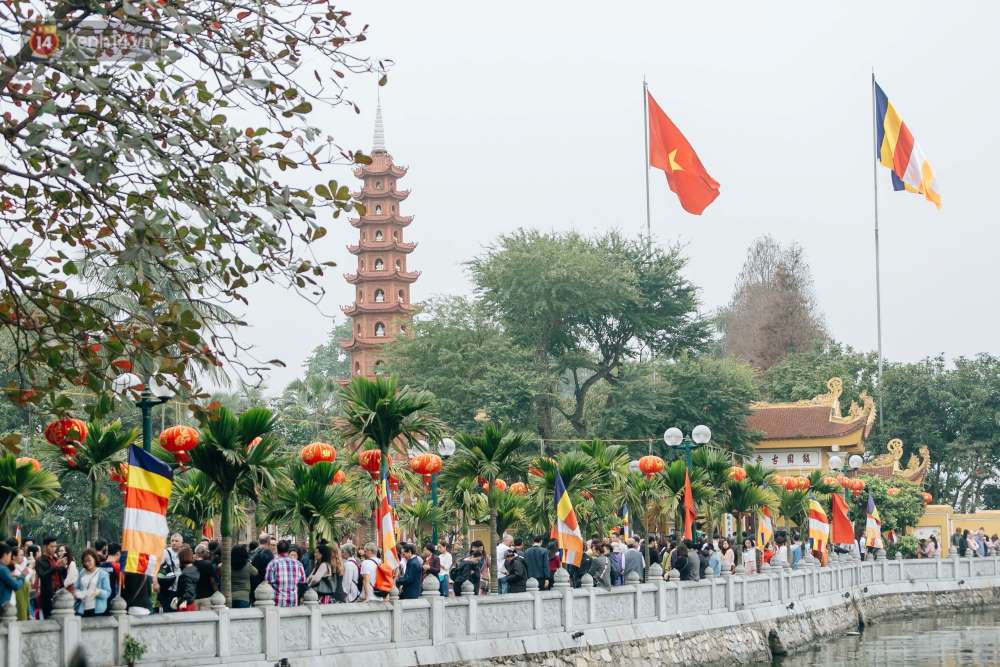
44	40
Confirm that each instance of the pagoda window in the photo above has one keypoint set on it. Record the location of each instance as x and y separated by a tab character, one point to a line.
402	298
379	264
359	329
393	208
378	185
399	265
379	330
378	235
379	296
378	209
395	236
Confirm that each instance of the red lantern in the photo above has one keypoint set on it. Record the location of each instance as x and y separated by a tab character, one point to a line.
63	431
804	483
426	465
338	477
519	488
27	460
315	452
844	481
500	485
830	481
119	474
737	474
69	451
371	460
651	465
892	491
122	365
393	483
182	457
179	439
860	483
778	480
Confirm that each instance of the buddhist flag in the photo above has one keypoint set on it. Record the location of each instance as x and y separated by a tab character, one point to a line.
386	574
819	526
897	150
765	527
626	529
569	537
873	525
690	511
144	529
842	529
671	152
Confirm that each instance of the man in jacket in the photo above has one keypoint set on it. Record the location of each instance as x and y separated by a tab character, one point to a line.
517	572
409	584
632	561
8	582
536	560
51	573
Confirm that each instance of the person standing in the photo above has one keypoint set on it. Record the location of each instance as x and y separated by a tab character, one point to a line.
92	587
600	564
431	564
260	558
23	567
749	557
964	543
170	571
409	583
285	573
505	545
242	573
9	584
728	555
369	571
327	576
536	559
51	571
445	559
187	583
517	572
206	576
632	561
352	573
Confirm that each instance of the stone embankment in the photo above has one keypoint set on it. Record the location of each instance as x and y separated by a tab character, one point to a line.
730	619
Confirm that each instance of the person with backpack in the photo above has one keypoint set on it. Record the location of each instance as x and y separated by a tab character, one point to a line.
369	572
352	573
517	572
469	569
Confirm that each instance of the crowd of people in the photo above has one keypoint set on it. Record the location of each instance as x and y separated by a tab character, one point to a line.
972	544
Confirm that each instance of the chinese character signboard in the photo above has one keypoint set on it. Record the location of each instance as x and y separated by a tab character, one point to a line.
789	458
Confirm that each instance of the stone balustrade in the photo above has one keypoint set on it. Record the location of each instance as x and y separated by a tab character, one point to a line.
434	629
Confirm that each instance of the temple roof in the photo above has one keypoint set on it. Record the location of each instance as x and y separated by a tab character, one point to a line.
818	417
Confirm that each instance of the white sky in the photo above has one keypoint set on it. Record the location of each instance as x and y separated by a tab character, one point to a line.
516	114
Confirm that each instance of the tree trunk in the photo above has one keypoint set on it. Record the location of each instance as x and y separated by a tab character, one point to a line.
94	519
493	550
738	556
226	528
543	403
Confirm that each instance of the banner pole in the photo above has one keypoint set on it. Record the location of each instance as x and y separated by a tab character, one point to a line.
645	157
878	277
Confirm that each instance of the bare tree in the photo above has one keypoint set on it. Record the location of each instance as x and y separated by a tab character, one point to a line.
773	311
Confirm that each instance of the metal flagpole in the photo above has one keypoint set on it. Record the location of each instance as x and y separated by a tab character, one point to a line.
878	277
645	157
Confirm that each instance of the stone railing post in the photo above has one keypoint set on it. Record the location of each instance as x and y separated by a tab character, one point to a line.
218	602
467	592
661	595
560	582
431	591
9	618
727	578
310	600
119	609
69	623
531	586
264	600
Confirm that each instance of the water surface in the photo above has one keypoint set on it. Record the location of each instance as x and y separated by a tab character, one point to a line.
967	639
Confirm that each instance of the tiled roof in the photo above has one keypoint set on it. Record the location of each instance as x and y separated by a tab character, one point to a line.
799	421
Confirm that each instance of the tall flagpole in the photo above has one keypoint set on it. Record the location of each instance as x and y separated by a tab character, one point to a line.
878	277
645	157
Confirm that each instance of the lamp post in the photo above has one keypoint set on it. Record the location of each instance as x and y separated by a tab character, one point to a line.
837	464
445	448
150	396
674	437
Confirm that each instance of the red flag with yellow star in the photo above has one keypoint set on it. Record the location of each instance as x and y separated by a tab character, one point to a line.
671	152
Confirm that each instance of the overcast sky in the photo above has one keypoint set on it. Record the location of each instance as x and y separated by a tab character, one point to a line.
512	114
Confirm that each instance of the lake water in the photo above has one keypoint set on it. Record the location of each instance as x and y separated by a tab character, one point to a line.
963	639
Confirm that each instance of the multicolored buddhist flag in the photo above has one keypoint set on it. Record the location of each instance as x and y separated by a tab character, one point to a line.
897	150
626	529
671	152
690	510
873	526
765	527
819	526
569	537
842	530
386	574
144	530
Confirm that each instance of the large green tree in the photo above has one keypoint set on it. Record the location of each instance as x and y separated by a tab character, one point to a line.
152	162
586	307
802	375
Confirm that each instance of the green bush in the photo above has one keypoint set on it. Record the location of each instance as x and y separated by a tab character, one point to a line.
906	545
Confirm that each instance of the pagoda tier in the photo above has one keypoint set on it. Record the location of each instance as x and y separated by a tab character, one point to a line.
356	309
390	219
364	343
381	246
380	167
368	193
362	276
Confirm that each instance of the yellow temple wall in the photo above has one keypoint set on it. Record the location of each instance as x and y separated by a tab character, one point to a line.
942	520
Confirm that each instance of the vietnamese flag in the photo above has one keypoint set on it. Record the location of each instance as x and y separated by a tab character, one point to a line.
843	530
690	511
671	152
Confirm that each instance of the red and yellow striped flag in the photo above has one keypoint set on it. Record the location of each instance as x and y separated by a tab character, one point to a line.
385	576
144	530
570	538
897	150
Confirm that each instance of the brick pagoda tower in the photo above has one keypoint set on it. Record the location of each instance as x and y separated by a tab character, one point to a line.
381	310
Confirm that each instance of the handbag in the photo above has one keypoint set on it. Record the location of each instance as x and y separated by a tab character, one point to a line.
325	586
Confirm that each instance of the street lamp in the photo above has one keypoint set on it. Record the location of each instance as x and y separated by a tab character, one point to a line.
853	463
151	394
674	437
445	449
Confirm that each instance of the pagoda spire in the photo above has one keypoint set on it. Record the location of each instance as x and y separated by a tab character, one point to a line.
378	141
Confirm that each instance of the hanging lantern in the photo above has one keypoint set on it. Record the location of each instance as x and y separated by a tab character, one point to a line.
790	483
500	485
179	439
182	457
63	431
651	465
371	460
927	498
338	477
27	460
427	465
892	491
804	483
315	452
519	488
69	451
860	484
830	481
393	483
844	481
119	474
737	473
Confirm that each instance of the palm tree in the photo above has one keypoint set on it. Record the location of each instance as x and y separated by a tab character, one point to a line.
101	451
307	498
236	469
194	500
316	395
578	475
377	410
746	497
24	491
465	496
492	454
673	484
419	519
714	466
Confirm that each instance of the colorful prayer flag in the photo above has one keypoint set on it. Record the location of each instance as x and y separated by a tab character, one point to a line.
144	529
819	526
897	150
570	539
626	530
842	529
690	511
671	152
765	527
873	525
386	574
